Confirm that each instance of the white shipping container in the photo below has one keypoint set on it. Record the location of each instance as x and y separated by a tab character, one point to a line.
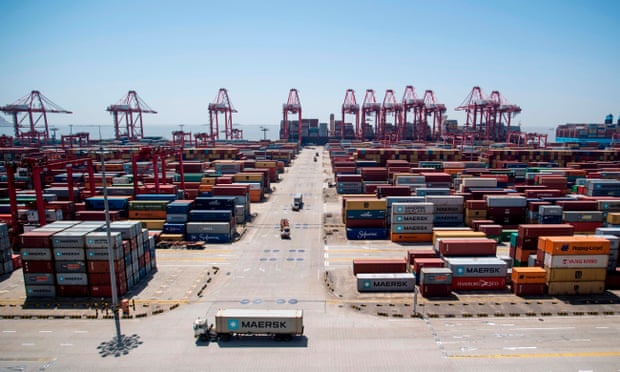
576	261
397	282
412	208
72	254
99	239
72	279
479	182
208	227
36	254
40	291
506	201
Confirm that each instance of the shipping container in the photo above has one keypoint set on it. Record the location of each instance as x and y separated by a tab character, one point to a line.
528	289
576	275
435	275
478	283
386	282
574	245
528	275
477	267
377	266
367	233
575	288
576	261
466	247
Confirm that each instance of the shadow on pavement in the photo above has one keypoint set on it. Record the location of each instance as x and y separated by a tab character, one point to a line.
118	349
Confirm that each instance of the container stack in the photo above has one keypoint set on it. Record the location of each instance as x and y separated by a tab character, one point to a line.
133	248
365	219
575	265
6	253
349	183
115	203
152	213
212	220
477	273
390	200
550	214
528	281
582	214
602	187
241	193
387	282
448	210
608	206
466	247
98	264
527	241
411	222
435	282
506	210
475	210
613	235
177	216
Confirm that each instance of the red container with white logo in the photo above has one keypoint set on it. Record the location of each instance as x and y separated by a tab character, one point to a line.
478	283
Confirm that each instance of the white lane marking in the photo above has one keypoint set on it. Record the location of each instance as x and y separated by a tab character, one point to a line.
581	340
543	329
519	347
45	331
27	344
326	255
9	331
66	344
80	331
601	327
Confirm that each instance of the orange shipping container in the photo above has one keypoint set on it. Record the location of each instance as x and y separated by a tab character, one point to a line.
528	275
574	245
411	238
522	255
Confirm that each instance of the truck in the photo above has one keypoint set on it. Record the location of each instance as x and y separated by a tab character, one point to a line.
281	324
285	229
298	202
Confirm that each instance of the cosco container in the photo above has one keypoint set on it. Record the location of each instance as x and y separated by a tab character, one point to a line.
387	282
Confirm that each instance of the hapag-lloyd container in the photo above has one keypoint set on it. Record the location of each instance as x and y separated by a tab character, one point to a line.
478	283
477	267
386	282
576	261
574	245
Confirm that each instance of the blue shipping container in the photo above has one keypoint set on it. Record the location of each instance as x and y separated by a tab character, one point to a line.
366	233
174	228
168	197
209	238
210	215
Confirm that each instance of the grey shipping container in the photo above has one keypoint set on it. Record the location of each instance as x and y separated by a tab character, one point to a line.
396	282
40	291
435	275
71	279
69	254
477	267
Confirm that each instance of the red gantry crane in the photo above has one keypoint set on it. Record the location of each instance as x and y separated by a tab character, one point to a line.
437	110
390	107
370	109
412	102
30	117
224	106
127	115
350	106
505	112
293	106
474	105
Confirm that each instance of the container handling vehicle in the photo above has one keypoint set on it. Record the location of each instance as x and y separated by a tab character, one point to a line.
281	324
285	229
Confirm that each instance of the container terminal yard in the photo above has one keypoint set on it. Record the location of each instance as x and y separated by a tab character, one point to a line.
461	243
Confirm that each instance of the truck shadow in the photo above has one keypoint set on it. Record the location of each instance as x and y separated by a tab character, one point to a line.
258	342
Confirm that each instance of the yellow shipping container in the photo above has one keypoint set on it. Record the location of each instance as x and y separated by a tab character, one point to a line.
208	180
457	234
575	288
171	237
574	245
576	275
151	224
528	275
477	213
365	204
256	177
613	218
266	164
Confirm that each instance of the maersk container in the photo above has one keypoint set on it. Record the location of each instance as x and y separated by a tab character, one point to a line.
69	239
412	228
413	218
448	209
576	261
412	208
448	220
255	321
36	254
435	275
391	200
71	279
477	267
198	215
101	254
37	291
367	233
208	237
431	191
388	282
69	254
99	239
39	279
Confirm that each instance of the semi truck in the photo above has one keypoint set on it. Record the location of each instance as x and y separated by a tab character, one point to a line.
285	229
280	324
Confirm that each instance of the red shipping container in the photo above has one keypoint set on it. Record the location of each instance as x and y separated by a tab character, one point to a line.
546	193
230	190
528	233
491	230
419	263
476	204
38	266
535	206
435	290
17	261
475	224
612	280
376	266
529	289
388	190
72	291
37	239
104	266
585	227
478	284
97	215
412	255
372	188
578	205
104	278
468	247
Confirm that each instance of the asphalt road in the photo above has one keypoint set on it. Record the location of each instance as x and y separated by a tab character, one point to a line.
264	271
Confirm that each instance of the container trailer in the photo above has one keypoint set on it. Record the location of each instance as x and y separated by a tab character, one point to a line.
280	324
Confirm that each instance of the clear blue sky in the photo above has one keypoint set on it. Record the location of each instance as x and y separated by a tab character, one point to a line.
558	60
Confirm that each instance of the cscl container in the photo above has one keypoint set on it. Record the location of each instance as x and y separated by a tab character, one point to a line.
386	282
435	275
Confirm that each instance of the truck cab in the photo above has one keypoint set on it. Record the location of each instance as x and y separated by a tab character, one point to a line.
298	202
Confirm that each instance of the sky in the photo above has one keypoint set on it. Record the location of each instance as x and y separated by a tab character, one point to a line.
557	60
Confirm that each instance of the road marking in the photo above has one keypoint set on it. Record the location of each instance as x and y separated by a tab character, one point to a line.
45	331
27	344
601	354
543	329
66	344
80	331
9	331
601	327
519	347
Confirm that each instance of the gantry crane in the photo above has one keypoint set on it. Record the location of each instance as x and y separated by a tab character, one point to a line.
293	106
223	105
372	109
474	105
437	111
127	114
350	106
412	102
34	107
390	106
505	111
